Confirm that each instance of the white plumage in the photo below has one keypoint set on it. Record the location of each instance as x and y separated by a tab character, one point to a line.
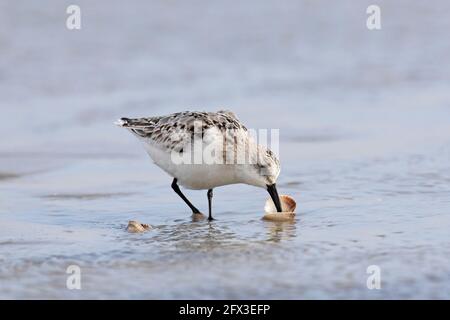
204	150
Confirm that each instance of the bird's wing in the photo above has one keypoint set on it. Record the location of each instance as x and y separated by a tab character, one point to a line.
175	131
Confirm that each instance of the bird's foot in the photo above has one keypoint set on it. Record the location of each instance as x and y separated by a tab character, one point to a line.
197	216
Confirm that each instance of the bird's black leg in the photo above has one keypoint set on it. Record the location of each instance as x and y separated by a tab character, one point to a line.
176	188
210	195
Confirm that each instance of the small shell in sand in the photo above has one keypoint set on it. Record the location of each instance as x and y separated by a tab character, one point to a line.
137	227
288	206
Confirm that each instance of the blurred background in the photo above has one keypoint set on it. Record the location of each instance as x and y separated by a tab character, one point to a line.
364	146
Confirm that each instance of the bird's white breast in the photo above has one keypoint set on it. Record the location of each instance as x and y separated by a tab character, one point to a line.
194	175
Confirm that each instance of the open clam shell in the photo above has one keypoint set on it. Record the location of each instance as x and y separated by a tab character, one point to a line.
137	227
288	206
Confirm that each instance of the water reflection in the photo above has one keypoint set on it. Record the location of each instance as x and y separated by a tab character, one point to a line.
196	235
277	231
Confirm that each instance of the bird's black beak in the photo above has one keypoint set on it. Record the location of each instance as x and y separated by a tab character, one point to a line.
272	189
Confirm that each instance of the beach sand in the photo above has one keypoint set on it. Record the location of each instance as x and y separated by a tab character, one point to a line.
365	147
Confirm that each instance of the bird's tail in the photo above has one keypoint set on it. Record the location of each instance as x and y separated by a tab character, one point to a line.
135	123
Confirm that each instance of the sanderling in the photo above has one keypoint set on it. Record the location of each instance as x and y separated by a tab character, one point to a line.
227	153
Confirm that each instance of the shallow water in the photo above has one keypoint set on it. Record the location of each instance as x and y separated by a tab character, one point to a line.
365	149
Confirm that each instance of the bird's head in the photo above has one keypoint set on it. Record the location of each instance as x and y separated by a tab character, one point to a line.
263	172
267	167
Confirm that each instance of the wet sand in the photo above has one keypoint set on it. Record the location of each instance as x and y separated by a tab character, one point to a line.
365	148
